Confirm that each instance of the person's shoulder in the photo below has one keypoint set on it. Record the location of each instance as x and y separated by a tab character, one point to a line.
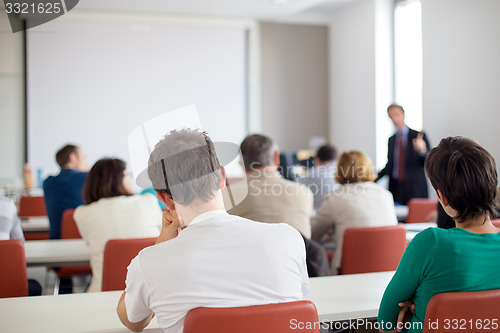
428	238
257	225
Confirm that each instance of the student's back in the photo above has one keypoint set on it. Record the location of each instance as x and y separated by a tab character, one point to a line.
62	192
219	260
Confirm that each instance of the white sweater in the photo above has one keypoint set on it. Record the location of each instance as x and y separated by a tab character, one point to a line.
136	216
363	204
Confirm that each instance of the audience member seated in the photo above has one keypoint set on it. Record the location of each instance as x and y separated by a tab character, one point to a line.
10	228
320	177
113	212
64	191
464	258
357	202
271	198
204	256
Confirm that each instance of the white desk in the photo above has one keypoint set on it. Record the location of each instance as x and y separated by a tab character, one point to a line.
345	297
414	228
336	297
401	212
57	252
35	224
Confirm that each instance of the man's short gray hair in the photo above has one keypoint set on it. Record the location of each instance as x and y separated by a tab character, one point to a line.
257	151
184	165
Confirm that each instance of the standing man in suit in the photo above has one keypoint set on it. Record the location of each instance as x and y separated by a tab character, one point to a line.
405	159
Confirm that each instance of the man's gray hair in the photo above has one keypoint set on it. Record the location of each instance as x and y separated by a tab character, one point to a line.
184	165
257	151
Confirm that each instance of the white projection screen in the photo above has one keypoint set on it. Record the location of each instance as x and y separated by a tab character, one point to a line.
92	81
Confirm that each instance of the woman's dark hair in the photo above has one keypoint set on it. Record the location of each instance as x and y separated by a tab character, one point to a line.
104	180
466	174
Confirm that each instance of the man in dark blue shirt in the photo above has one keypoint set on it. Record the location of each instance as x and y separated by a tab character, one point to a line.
64	191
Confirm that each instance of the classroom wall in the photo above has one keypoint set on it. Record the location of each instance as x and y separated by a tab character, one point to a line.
294	78
461	70
352	78
11	104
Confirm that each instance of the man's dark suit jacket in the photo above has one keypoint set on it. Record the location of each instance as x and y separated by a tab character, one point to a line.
415	184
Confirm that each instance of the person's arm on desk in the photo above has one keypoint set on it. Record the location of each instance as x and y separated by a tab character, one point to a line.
398	295
121	310
170	229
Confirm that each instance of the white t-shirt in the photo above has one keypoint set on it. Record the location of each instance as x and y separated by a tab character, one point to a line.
219	260
135	216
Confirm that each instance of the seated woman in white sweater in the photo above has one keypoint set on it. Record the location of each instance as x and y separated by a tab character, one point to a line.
358	202
112	212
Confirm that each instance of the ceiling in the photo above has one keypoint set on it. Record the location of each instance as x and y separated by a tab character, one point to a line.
300	11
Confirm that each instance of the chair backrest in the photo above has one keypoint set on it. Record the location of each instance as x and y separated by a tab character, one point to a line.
69	230
118	253
13	276
269	318
372	249
419	209
32	206
474	311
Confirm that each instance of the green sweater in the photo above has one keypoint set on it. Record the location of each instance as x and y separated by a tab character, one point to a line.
439	261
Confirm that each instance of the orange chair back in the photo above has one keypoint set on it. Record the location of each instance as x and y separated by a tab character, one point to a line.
13	279
419	209
32	206
269	318
69	230
471	312
118	253
372	249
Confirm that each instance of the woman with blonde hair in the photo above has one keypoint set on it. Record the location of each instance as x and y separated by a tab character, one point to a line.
357	202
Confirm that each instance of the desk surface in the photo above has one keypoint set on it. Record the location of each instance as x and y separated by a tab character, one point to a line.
63	252
35	224
336	297
57	252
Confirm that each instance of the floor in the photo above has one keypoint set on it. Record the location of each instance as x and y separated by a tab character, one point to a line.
47	280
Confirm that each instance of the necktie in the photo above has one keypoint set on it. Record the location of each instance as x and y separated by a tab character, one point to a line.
401	158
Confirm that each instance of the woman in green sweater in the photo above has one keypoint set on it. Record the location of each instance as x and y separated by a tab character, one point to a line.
464	258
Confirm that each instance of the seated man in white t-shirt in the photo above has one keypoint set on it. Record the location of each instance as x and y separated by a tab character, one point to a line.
204	256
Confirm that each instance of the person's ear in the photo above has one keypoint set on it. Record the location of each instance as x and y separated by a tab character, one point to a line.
166	199
442	198
222	184
276	157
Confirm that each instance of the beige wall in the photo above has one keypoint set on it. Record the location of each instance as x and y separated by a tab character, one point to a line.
461	70
11	104
352	78
294	77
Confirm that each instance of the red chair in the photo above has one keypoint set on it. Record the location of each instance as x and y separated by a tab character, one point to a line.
372	249
269	318
471	312
13	279
118	254
33	206
69	230
419	209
